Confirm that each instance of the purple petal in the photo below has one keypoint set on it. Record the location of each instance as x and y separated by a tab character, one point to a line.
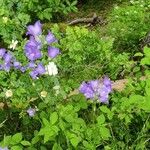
86	90
35	29
7	57
53	52
2	52
104	99
50	38
34	74
17	64
22	69
7	67
106	81
31	65
40	69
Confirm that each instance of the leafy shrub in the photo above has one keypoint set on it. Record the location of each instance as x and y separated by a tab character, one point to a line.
86	55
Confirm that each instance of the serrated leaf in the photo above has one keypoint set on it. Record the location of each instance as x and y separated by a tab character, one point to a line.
16	148
75	141
101	119
53	118
105	133
25	143
17	138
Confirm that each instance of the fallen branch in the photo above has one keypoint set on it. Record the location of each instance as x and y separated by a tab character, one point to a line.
95	19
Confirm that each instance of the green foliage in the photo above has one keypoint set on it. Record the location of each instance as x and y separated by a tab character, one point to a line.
63	118
86	55
128	24
15	14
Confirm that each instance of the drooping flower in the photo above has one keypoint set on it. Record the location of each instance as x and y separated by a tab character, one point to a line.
2	52
35	29
31	112
53	52
51	69
50	38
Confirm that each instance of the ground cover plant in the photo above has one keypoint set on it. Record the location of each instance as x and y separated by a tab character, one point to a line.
76	87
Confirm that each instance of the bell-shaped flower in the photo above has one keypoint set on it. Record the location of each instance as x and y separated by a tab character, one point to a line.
53	52
35	29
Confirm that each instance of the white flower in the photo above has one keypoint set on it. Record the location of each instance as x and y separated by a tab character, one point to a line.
43	94
13	44
5	19
9	93
51	69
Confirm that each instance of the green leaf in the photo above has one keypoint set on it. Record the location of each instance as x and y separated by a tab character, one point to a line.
101	119
17	138
147	51
25	143
35	140
105	133
138	54
56	147
53	118
75	141
45	122
16	148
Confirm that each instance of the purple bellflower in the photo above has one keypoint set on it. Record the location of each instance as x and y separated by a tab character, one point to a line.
35	29
53	52
50	38
97	89
32	49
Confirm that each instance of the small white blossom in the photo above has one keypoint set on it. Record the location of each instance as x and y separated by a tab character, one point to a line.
5	19
9	93
51	69
13	44
43	94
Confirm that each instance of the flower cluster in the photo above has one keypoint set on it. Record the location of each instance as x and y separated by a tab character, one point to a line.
33	49
97	89
9	61
33	52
